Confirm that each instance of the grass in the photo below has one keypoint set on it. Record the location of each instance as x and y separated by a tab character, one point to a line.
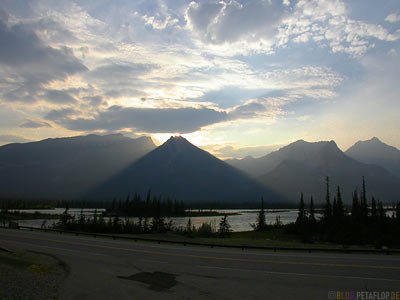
26	262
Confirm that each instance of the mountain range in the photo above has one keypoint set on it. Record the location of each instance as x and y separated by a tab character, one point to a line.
104	167
303	167
66	167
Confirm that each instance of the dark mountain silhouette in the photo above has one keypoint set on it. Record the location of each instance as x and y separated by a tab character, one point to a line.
299	151
66	167
303	166
375	152
179	169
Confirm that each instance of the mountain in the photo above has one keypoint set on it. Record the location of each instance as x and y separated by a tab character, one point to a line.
179	169
299	151
66	167
378	153
303	166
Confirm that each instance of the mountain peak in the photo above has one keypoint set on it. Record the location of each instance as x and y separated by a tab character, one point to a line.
375	140
177	144
301	141
177	138
179	169
308	146
374	151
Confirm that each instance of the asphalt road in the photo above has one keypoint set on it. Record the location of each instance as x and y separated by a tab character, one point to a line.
108	269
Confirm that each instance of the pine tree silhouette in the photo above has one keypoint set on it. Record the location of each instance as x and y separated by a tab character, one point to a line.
302	213
261	225
328	207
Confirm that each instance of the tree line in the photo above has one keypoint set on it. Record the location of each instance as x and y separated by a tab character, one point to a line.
148	206
364	222
124	225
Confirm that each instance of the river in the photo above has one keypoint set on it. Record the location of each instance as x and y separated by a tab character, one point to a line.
239	222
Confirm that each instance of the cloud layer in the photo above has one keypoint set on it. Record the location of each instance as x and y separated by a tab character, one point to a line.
212	68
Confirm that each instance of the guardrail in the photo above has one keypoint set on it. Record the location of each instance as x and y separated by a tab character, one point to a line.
243	247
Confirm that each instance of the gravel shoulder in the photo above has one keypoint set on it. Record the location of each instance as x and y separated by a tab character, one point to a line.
30	275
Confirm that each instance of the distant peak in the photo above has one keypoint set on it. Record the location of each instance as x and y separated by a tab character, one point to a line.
375	139
304	146
144	137
300	141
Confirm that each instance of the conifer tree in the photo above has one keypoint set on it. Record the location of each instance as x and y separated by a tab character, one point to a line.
261	225
302	213
340	206
189	227
335	214
95	217
355	207
363	201
312	211
148	197
81	220
328	207
373	209
116	223
381	211
224	227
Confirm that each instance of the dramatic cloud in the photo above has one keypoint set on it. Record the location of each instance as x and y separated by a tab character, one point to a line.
218	22
34	124
57	96
120	71
183	120
94	100
22	49
60	114
27	64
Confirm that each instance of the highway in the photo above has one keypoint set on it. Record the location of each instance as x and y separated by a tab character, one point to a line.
113	269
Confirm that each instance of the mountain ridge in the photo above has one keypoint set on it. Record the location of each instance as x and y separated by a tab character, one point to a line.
302	167
374	151
65	167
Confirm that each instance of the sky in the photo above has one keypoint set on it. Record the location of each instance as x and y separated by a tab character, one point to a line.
234	77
